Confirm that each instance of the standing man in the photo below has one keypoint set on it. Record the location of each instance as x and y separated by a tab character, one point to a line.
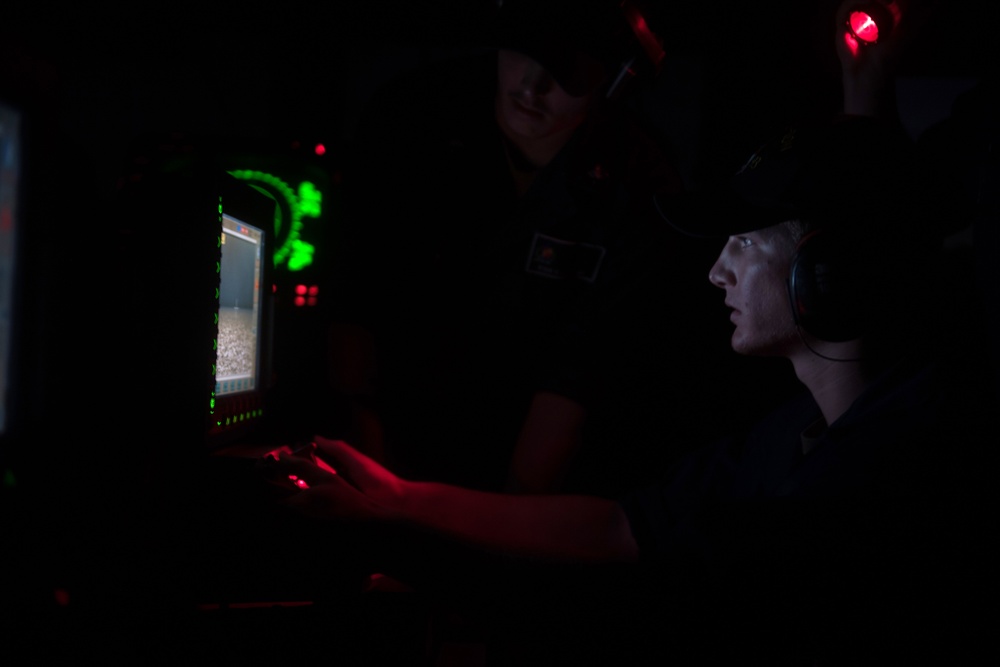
502	256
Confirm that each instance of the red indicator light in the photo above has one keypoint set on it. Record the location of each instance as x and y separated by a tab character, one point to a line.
320	149
300	289
313	290
299	301
864	27
870	22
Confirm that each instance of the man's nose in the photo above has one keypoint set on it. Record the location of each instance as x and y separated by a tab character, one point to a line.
719	275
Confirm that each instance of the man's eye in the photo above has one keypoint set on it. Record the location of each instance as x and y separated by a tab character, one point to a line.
745	242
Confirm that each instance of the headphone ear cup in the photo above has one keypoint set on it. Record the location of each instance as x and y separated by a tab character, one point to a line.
828	288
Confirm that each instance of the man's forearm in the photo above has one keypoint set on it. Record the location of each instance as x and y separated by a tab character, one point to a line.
551	527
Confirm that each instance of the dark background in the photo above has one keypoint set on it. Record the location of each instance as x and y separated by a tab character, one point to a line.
304	69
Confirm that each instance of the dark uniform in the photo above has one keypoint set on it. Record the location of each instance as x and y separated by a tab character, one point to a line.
860	542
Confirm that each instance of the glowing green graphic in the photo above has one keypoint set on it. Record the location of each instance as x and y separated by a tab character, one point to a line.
307	202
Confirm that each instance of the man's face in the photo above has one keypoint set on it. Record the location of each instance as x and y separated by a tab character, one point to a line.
530	102
753	269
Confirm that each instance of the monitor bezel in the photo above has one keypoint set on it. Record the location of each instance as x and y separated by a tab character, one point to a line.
243	415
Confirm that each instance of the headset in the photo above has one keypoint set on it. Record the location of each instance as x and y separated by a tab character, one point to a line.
832	286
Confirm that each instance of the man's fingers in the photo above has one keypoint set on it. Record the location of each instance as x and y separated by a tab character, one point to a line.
327	501
338	453
294	471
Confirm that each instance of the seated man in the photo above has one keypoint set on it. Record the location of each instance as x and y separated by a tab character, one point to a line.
824	531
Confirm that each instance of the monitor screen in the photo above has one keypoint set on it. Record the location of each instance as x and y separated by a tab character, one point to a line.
238	359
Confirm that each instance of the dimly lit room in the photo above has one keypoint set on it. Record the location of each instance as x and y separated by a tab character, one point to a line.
398	333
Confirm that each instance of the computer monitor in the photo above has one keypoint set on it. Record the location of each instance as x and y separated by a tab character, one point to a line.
243	343
41	341
11	203
197	266
202	390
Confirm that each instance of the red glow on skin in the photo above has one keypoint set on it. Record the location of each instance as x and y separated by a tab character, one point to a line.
285	450
864	27
325	466
851	43
278	451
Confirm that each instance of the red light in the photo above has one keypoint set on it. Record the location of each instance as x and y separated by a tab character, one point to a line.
300	289
299	301
863	26
313	290
320	149
852	43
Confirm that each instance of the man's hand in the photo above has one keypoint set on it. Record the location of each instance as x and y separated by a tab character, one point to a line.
868	70
334	481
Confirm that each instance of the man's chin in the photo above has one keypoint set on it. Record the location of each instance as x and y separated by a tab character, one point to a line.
527	128
738	344
747	348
